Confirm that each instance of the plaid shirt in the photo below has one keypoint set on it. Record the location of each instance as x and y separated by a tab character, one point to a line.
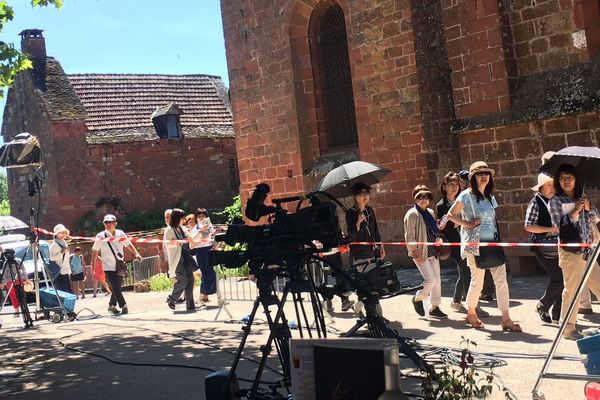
589	218
533	213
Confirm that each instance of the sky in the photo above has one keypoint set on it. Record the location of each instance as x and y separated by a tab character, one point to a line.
127	36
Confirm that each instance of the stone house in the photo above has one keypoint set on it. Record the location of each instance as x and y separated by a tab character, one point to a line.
421	87
102	148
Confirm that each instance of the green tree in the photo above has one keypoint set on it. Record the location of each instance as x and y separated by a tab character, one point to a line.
4	204
12	61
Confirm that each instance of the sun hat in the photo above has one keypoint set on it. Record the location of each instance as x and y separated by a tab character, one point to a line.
421	190
109	218
480	166
60	228
542	179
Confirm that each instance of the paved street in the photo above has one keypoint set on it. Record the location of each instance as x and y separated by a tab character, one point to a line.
36	365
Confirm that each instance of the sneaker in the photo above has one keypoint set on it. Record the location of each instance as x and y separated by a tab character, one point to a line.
458	307
437	313
347	304
572	334
418	305
544	316
114	310
170	302
481	313
585	311
124	310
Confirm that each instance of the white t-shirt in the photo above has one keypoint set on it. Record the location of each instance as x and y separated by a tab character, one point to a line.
109	263
62	259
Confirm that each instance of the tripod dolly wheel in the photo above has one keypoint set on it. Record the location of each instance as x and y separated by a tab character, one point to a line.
57	317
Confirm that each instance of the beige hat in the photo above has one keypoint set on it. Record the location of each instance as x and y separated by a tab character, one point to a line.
421	190
60	228
547	156
542	179
480	166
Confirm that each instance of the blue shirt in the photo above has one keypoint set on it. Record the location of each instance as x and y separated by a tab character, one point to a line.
76	266
485	211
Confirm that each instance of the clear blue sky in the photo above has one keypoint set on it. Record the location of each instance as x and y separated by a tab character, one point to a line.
128	36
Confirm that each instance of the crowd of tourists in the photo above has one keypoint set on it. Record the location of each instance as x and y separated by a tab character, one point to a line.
559	212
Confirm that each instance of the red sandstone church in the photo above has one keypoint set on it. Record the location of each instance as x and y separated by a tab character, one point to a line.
120	142
419	86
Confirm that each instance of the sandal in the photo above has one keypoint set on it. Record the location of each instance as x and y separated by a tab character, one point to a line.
512	327
476	323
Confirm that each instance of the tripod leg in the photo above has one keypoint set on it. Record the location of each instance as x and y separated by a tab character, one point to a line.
280	332
246	329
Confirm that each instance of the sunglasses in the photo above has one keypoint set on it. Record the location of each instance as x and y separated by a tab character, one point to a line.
483	174
363	193
109	222
424	197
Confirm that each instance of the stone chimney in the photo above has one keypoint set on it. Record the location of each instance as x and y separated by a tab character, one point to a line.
33	43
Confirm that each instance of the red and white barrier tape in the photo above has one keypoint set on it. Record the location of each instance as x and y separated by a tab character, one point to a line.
436	244
475	244
126	240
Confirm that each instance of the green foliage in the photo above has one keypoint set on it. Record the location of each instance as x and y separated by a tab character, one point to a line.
12	61
4	207
233	211
4	203
160	283
458	382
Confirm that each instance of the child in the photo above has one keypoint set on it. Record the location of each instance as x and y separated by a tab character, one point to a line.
77	276
98	276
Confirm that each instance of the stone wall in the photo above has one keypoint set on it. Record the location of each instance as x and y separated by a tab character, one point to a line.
437	85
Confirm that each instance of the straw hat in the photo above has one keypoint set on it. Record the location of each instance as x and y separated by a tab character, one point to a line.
542	179
60	228
28	286
480	166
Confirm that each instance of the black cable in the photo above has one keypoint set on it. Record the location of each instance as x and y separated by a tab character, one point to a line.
66	346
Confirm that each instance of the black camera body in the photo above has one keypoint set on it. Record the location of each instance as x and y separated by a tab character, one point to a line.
288	236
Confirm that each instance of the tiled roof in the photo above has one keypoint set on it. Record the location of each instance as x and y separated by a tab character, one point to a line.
123	103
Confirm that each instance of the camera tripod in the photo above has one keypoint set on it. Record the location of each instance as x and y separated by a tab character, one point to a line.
9	264
301	282
280	334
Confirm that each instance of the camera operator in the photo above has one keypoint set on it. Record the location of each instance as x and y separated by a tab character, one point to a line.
12	267
362	225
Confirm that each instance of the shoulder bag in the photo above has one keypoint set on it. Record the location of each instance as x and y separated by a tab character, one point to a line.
493	256
188	259
543	238
120	266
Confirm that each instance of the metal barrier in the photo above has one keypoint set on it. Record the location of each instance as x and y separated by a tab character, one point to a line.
140	270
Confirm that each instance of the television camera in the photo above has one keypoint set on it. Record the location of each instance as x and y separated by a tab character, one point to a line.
287	236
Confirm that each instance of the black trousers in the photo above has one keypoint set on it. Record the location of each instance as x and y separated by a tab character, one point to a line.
553	295
115	281
63	283
464	275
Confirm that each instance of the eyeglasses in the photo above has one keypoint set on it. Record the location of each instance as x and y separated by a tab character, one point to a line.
424	197
566	178
484	173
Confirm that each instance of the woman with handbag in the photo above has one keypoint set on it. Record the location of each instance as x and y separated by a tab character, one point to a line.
539	224
181	262
574	215
450	188
475	210
420	226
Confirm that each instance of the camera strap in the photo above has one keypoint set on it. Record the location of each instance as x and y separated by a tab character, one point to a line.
111	248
